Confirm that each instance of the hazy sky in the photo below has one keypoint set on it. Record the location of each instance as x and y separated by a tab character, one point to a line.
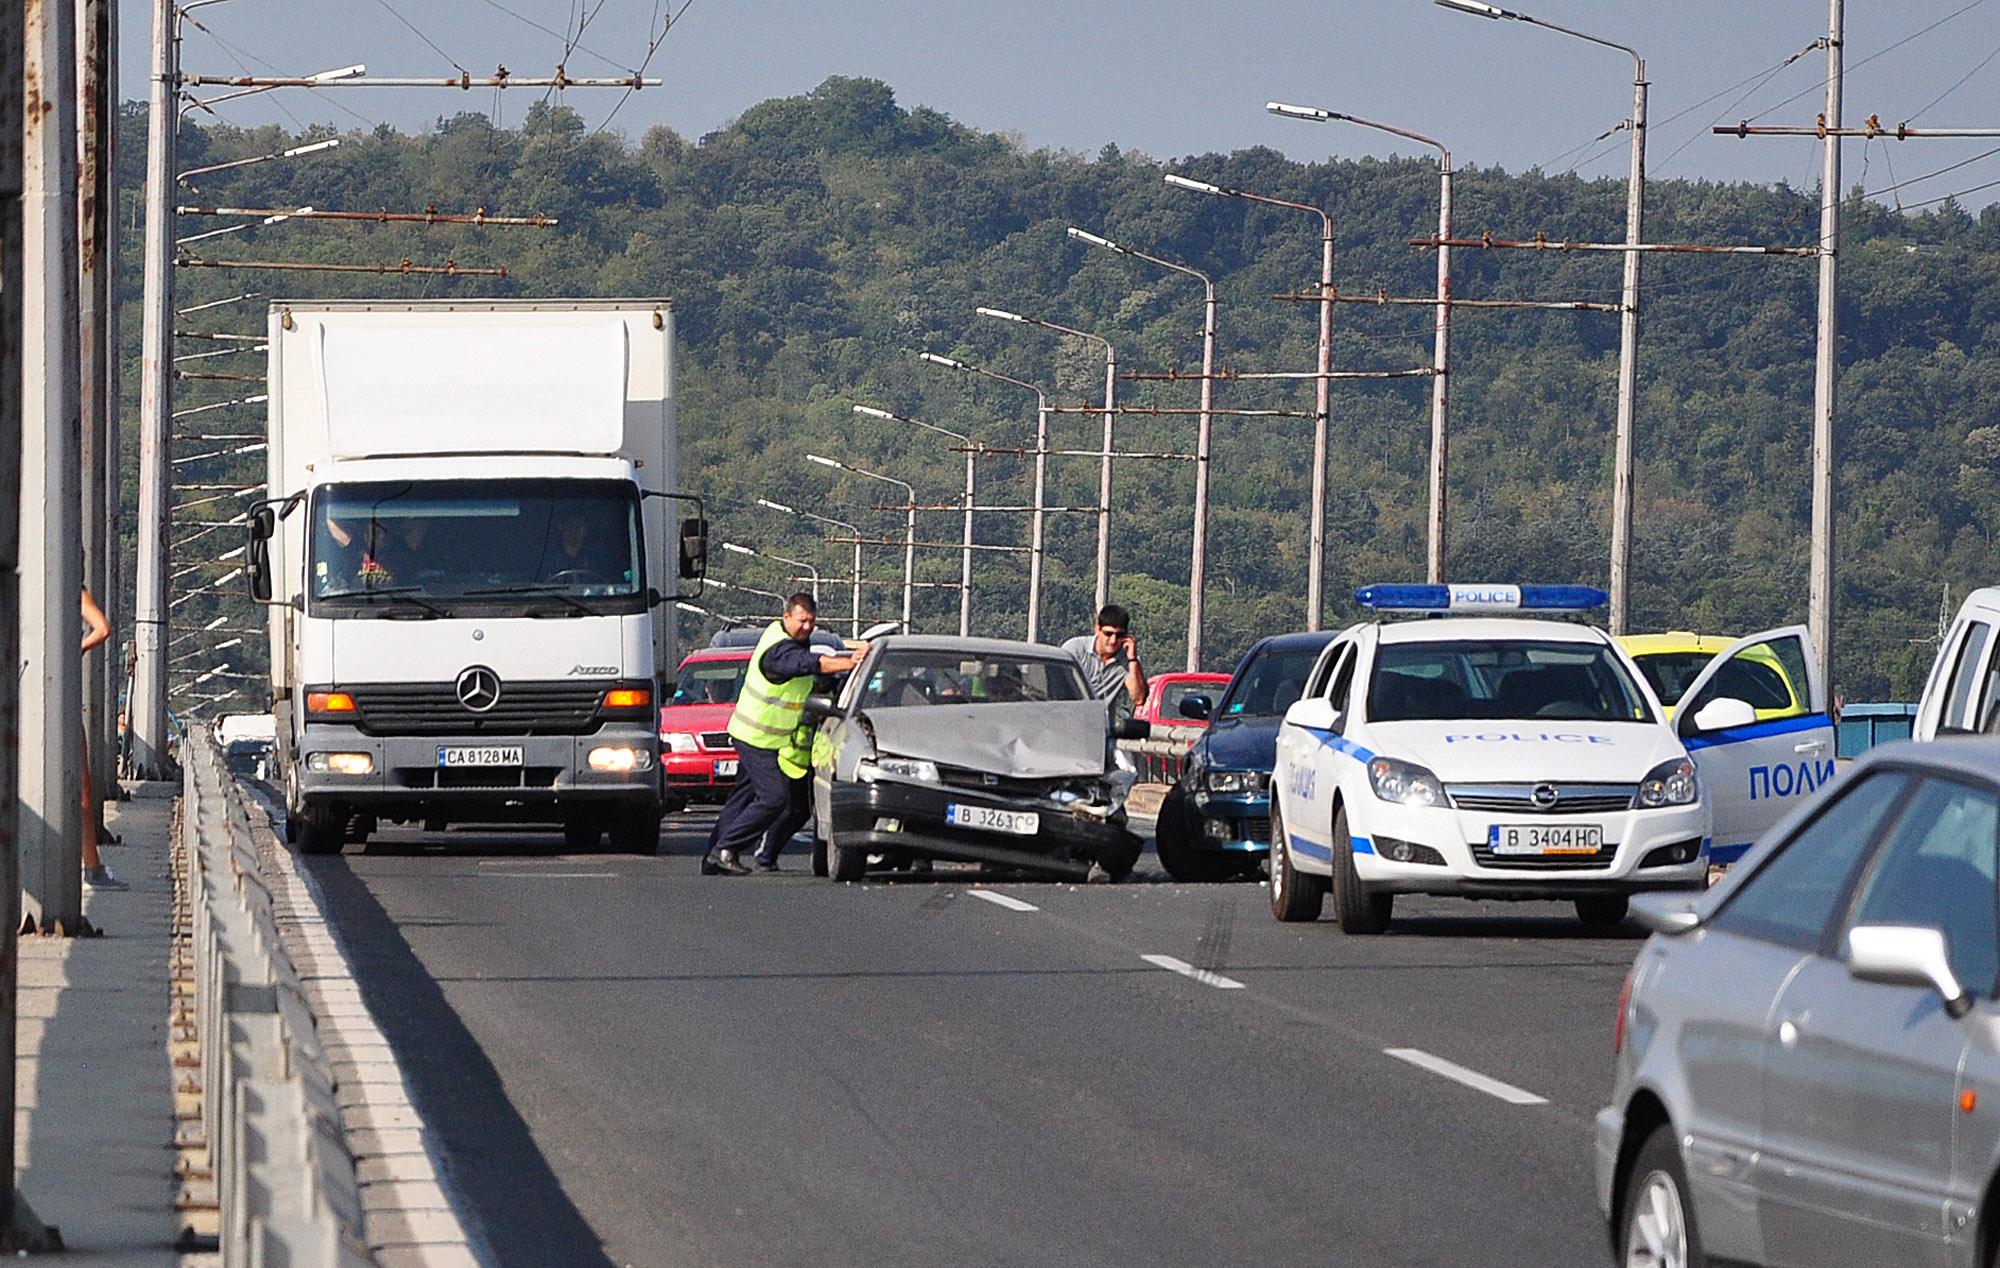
1176	77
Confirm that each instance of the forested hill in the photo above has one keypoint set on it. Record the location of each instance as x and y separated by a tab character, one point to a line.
816	244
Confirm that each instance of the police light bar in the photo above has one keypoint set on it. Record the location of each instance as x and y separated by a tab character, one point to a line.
1473	598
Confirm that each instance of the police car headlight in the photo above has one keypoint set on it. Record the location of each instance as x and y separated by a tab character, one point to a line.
904	767
1668	784
678	741
1238	781
1405	783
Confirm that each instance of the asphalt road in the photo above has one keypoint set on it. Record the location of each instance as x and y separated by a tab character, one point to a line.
626	1062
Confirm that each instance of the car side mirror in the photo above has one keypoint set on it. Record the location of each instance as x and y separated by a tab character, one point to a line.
1669	913
1315	714
262	524
821	707
1197	707
1133	729
1906	955
694	548
1720	715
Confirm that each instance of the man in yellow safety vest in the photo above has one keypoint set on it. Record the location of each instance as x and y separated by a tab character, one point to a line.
773	740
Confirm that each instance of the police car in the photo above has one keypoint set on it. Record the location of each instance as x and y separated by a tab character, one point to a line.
1486	753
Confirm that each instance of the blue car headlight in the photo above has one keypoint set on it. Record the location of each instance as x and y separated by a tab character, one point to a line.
1239	781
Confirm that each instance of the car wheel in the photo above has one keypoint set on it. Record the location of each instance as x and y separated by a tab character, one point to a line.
1357	910
1295	896
1119	860
819	856
1656	1229
676	804
1603	912
845	862
1177	840
318	832
582	834
636	833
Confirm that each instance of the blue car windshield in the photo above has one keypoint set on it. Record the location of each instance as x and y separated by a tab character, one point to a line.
1271	683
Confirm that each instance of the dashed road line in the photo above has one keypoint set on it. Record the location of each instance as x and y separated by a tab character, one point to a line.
551	876
1185	969
1471	1078
1008	901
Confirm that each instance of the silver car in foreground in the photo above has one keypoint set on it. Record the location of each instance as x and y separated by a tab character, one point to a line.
1808	1055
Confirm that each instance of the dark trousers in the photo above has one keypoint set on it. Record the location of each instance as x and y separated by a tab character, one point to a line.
765	807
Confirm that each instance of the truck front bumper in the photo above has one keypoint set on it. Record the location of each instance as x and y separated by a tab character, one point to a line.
405	777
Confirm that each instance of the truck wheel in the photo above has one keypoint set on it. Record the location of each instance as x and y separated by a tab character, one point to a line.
1357	910
1295	896
582	834
1177	840
676	804
845	862
1603	912
636	833
317	832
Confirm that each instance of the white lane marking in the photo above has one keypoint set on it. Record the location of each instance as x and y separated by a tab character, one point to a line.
1008	901
1459	1074
1185	969
555	876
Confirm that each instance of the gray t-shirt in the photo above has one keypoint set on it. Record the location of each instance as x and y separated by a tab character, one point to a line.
1106	679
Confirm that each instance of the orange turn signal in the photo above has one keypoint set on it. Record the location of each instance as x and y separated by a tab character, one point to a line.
329	702
627	698
1968	1101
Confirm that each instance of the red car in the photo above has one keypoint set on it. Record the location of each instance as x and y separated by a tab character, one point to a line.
1164	693
694	726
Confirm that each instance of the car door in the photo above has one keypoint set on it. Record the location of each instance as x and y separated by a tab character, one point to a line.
1861	1078
1305	777
1962	694
1755	768
1723	984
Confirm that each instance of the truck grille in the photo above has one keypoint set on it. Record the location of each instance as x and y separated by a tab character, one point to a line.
1571	799
525	708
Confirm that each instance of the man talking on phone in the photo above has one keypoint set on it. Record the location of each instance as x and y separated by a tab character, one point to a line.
1110	661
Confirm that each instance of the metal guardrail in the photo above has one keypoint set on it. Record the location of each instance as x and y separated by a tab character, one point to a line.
1160	758
284	1184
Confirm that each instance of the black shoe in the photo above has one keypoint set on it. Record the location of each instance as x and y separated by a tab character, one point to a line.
767	865
723	863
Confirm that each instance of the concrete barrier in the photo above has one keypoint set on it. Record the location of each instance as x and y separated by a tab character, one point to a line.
1160	758
284	1183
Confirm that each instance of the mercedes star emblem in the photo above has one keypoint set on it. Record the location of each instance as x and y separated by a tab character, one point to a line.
1545	795
479	689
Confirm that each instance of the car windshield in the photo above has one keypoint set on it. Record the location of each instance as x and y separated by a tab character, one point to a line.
709	682
438	545
1511	680
1672	673
899	679
1271	683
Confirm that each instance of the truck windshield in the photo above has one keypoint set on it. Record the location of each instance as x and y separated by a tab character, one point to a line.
430	547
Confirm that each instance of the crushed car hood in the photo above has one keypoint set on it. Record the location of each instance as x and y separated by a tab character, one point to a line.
1030	741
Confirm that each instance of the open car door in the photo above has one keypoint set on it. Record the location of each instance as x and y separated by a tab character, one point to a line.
1755	723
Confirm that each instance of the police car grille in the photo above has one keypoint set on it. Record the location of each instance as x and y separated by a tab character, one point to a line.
525	708
1484	857
1571	799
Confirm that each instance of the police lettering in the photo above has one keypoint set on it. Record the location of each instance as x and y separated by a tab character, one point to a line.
1515	737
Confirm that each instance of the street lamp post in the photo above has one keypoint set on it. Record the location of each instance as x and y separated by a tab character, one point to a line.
1441	346
812	573
909	523
854	613
1316	532
1035	538
972	451
1104	464
1628	324
1198	561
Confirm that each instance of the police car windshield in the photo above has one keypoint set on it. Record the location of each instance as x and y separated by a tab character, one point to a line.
1271	683
1502	681
902	679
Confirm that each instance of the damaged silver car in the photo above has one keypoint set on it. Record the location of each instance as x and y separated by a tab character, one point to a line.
970	749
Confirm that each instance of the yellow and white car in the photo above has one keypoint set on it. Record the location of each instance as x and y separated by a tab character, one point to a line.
1672	661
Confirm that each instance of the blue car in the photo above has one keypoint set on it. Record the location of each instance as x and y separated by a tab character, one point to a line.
1215	823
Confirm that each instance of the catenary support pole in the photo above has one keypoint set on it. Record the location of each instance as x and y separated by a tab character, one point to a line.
147	712
1036	538
1198	564
1628	363
96	213
1434	569
51	486
1819	605
965	556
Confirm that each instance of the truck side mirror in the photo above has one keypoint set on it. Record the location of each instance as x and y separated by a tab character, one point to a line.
263	522
694	548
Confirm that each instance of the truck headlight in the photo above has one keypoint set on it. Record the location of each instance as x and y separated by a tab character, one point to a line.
620	757
678	741
1404	783
1238	781
902	767
1671	783
341	763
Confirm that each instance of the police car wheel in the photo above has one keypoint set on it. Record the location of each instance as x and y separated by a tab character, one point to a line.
1602	911
845	862
1176	839
1295	896
1357	910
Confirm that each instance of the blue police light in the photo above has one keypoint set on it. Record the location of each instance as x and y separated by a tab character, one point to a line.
1474	598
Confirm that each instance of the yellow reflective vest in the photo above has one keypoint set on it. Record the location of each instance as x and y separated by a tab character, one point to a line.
772	715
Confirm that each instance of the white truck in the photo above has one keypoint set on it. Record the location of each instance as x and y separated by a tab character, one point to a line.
469	553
